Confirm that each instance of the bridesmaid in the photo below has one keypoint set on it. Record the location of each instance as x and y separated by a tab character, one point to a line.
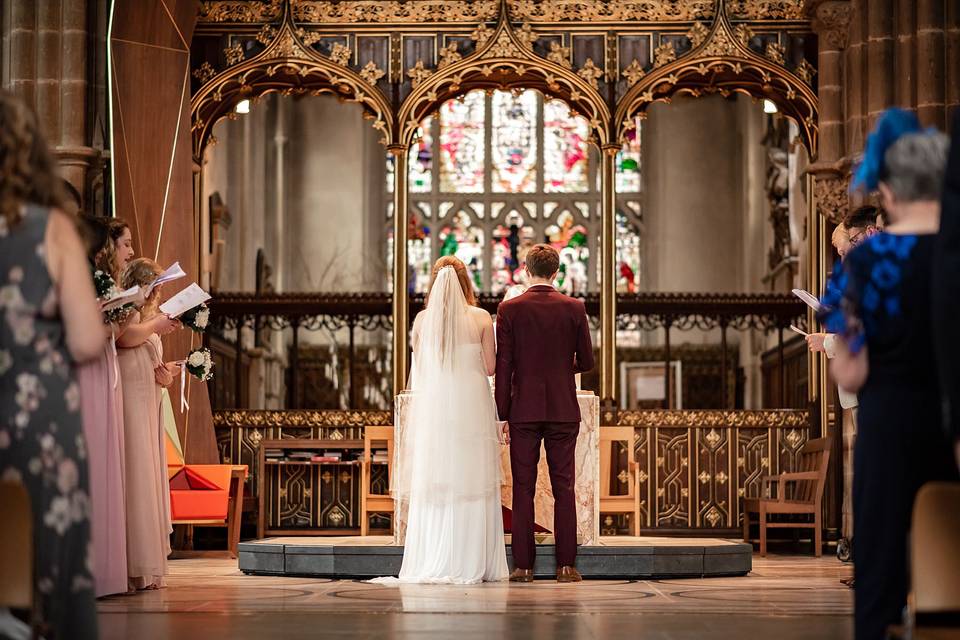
147	491
50	321
101	405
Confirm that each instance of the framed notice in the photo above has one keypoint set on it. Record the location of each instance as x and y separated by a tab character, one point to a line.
643	385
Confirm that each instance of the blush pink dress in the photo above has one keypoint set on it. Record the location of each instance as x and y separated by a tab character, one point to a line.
147	486
101	405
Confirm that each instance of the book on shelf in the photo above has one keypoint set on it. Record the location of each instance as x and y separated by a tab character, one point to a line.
273	453
333	454
326	459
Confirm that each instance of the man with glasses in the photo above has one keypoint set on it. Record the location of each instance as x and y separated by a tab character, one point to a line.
861	223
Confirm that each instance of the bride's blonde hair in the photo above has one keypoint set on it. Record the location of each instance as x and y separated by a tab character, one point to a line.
462	275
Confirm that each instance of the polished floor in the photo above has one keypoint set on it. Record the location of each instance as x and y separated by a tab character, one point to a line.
785	597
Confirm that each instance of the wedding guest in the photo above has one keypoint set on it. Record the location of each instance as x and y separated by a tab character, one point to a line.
879	304
861	223
101	405
122	252
50	321
946	292
145	466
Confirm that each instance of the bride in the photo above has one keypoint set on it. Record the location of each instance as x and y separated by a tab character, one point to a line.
448	458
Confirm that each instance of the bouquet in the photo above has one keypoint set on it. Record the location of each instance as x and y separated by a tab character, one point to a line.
197	318
199	364
106	289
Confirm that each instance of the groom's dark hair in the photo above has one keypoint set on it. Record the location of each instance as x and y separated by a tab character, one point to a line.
543	261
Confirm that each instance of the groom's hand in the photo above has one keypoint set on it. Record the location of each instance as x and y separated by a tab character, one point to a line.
505	432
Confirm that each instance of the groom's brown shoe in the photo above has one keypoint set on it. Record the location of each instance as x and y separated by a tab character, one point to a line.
567	573
521	575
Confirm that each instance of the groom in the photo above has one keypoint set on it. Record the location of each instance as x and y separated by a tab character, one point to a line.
543	340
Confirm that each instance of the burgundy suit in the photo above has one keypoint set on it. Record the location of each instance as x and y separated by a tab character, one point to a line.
543	339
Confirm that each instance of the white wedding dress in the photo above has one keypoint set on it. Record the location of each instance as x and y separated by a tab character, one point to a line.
447	462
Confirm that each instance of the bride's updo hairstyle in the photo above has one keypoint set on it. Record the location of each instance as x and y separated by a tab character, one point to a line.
462	275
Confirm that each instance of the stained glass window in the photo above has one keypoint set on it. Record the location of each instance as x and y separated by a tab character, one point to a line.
628	163
493	173
462	148
421	160
564	149
513	146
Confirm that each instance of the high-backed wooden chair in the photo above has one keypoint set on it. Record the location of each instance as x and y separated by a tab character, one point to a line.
795	493
628	502
934	600
16	547
374	502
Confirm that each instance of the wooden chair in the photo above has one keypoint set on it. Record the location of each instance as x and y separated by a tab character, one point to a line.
16	547
619	503
798	492
374	502
238	475
934	601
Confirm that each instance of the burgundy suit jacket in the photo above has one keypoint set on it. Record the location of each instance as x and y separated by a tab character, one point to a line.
543	339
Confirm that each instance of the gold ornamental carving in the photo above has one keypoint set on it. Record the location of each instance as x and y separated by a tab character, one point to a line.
418	73
380	11
239	11
560	55
831	22
234	54
590	72
697	34
831	198
481	34
204	72
715	419
263	419
371	73
610	10
765	9
340	54
805	71
664	54
449	55
633	73
775	52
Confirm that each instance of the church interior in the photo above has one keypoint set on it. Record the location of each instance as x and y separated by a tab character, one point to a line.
688	160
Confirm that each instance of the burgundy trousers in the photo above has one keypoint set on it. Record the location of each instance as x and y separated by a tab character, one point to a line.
560	441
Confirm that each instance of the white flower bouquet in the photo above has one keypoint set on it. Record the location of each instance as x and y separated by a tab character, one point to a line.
199	364
196	318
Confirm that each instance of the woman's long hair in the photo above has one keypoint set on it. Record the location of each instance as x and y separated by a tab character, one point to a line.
107	260
462	275
27	169
96	239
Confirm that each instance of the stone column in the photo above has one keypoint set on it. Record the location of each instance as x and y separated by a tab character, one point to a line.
854	132
930	63
879	58
830	22
401	302
904	58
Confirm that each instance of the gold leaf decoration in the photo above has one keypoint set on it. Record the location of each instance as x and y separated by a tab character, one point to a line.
633	73
204	72
610	10
481	34
371	73
775	52
503	47
418	73
805	71
449	55
393	11
559	54
590	72
340	54
266	34
697	34
527	36
234	54
664	54
744	34
308	37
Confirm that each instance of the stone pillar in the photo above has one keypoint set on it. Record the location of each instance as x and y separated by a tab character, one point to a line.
930	63
401	302
71	147
854	131
830	22
879	58
904	58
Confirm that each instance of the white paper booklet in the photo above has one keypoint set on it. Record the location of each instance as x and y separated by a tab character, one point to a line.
184	301
809	298
121	298
173	272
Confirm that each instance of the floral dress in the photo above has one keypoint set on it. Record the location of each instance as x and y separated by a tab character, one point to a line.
41	438
880	300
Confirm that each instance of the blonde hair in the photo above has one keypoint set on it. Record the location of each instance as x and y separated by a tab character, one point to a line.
462	275
840	237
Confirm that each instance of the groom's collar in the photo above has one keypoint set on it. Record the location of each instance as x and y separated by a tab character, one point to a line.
548	287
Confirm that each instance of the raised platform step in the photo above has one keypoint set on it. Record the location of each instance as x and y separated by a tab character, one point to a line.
616	557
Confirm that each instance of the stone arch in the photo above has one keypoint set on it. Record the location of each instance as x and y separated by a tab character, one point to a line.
721	62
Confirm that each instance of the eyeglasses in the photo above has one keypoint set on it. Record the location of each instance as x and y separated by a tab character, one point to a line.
856	238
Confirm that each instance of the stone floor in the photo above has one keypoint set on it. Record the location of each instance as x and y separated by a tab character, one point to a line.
784	597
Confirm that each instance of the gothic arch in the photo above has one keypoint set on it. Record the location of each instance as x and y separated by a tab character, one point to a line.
504	59
721	62
287	65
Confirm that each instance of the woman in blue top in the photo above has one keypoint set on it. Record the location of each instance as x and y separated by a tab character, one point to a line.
879	304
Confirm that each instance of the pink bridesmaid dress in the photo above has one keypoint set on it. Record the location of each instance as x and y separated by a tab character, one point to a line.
101	404
147	485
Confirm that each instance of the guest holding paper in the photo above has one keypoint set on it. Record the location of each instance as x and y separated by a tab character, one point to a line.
144	374
101	405
49	322
879	304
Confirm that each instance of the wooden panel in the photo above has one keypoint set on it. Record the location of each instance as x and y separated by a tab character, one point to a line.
154	166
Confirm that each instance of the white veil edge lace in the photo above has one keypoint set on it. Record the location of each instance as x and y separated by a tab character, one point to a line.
448	448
